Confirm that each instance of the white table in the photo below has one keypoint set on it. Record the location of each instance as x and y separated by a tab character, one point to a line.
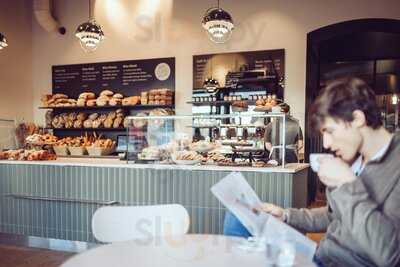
188	250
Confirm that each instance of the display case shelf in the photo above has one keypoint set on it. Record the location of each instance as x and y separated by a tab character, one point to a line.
227	126
203	126
177	139
231	89
220	103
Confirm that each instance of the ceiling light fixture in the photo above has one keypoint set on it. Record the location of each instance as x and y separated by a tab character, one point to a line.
89	33
219	24
3	41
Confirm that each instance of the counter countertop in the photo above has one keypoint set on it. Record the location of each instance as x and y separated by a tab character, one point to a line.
116	163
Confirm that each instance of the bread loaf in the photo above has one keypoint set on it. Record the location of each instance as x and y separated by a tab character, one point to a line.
108	123
81	102
118	96
78	124
117	122
115	101
88	123
87	95
97	123
130	101
102	101
93	116
107	93
112	115
81	116
91	102
59	96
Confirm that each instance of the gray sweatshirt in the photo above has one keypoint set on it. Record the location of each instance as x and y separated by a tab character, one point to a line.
363	223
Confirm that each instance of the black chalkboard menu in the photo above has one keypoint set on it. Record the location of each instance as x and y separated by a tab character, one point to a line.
129	77
226	67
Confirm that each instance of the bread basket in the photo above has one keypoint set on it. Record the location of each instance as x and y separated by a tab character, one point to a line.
61	150
100	151
77	151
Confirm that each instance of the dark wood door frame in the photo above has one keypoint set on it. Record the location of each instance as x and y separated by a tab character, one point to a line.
318	39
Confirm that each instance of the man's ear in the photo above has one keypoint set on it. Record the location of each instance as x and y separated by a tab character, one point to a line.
359	119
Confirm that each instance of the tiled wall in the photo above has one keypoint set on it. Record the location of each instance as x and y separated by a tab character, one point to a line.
128	186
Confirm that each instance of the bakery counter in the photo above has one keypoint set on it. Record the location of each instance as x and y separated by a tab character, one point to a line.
116	163
56	199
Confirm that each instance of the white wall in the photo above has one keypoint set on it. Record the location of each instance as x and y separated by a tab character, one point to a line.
16	89
173	30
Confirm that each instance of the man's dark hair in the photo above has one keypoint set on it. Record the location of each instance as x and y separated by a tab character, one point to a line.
340	98
285	107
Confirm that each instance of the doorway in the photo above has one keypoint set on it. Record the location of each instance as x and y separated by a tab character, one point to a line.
366	48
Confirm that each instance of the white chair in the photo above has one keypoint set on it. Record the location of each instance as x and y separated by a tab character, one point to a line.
123	223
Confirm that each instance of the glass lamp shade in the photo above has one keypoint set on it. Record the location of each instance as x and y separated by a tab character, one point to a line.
395	99
90	35
211	85
219	25
3	41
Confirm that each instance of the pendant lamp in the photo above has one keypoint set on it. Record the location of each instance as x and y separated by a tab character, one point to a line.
219	24
3	41
89	33
210	84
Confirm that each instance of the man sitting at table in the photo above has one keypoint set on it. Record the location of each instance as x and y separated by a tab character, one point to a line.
362	219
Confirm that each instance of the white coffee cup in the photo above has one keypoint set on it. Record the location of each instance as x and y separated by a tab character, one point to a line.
314	160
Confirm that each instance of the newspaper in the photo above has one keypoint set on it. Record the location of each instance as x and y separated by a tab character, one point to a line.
238	197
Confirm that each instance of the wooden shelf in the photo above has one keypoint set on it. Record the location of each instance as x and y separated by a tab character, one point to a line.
88	129
109	107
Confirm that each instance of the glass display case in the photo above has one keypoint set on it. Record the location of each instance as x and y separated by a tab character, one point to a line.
257	140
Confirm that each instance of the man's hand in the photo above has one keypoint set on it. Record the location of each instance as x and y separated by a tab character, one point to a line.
272	209
334	172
